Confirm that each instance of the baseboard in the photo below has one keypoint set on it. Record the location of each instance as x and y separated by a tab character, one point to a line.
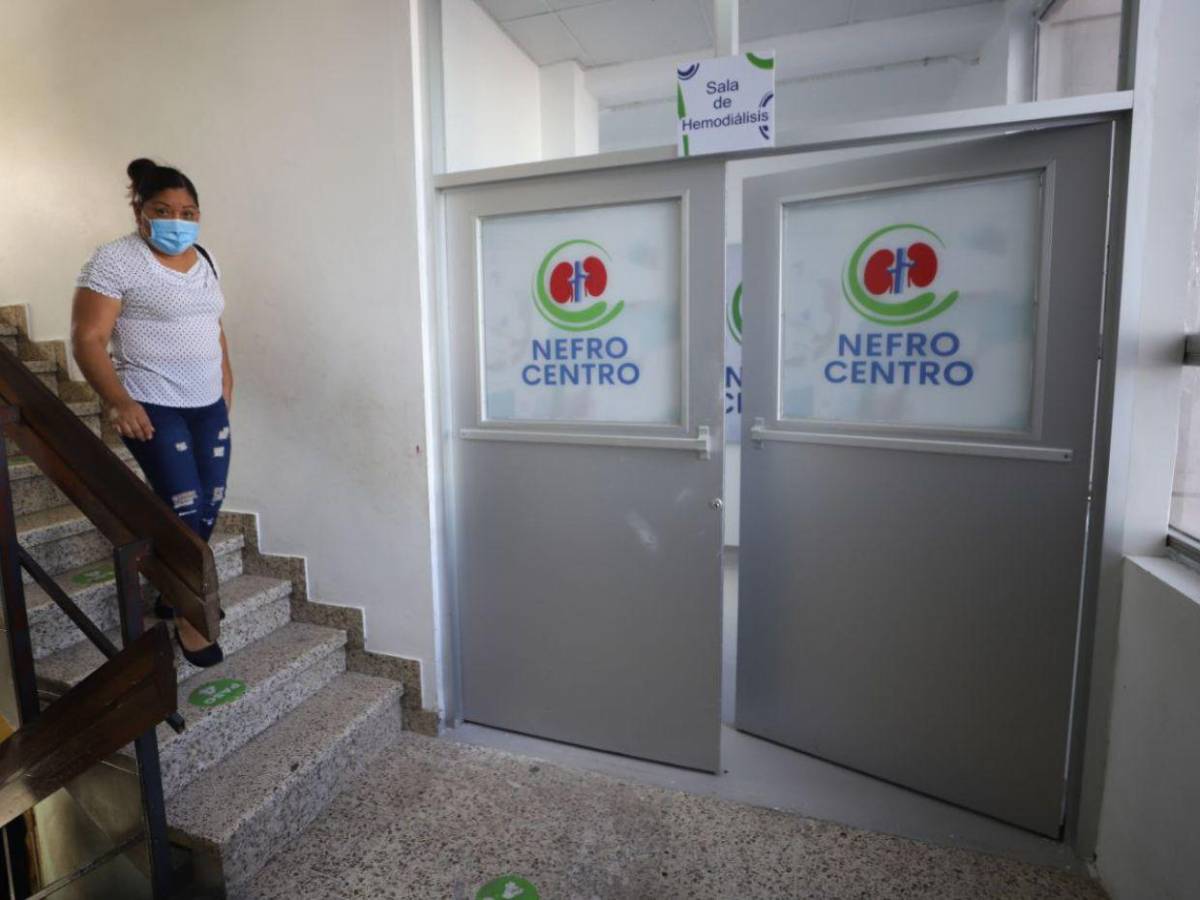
348	618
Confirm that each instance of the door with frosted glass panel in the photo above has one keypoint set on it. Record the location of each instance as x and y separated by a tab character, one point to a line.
919	402
587	429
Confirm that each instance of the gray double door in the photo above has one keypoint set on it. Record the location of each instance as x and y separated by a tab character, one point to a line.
920	372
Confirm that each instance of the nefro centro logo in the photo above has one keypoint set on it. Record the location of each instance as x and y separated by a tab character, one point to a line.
570	286
891	276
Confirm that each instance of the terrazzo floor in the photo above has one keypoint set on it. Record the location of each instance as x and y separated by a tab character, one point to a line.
435	819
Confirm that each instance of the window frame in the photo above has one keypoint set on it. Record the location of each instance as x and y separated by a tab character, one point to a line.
1181	545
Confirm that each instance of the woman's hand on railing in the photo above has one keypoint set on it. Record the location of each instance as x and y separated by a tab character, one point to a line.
130	419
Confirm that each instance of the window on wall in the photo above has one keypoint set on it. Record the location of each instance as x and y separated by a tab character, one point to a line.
1185	495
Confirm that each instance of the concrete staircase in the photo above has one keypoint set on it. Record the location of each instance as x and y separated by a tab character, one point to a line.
246	776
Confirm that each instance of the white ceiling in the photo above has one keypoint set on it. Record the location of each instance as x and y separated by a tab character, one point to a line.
603	32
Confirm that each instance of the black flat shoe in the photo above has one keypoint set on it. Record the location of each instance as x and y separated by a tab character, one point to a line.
165	611
205	658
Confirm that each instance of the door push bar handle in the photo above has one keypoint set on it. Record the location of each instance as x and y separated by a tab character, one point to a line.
759	433
700	444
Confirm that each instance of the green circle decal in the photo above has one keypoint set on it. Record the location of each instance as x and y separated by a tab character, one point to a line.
507	887
217	693
734	315
97	574
907	311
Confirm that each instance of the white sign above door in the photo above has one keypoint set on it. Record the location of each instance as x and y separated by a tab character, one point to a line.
726	104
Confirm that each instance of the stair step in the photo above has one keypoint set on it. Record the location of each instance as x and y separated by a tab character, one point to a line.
46	370
280	672
239	814
61	538
93	589
84	408
21	467
254	607
87	410
48	525
33	491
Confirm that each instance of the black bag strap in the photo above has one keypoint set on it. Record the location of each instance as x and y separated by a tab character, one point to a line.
208	258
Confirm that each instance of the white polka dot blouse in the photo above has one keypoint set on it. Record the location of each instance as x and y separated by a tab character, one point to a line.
166	345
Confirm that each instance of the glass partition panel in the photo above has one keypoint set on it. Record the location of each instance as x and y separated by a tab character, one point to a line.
581	313
914	307
88	837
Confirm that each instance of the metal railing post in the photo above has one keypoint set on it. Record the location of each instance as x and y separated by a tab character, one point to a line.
20	653
126	562
16	620
122	508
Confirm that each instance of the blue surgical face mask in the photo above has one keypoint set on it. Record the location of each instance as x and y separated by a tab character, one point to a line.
173	236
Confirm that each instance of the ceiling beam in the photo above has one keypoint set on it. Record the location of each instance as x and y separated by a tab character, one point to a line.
725	24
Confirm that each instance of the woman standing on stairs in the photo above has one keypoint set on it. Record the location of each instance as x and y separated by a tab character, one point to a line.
168	386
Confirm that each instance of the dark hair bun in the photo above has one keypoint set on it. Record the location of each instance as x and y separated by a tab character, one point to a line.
139	169
147	178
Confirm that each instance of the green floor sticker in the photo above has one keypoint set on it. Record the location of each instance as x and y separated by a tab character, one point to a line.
96	574
217	693
507	887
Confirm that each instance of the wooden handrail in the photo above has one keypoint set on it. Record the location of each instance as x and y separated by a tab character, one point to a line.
121	506
123	699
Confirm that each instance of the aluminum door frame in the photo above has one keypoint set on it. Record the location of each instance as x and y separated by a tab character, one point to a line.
640	679
783	676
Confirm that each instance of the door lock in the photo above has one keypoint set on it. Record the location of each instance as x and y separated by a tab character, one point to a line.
716	503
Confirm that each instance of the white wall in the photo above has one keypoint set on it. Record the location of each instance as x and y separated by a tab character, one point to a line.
1078	46
295	121
491	92
983	83
1149	846
570	117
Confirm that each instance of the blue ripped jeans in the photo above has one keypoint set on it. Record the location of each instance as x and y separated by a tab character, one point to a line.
187	460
